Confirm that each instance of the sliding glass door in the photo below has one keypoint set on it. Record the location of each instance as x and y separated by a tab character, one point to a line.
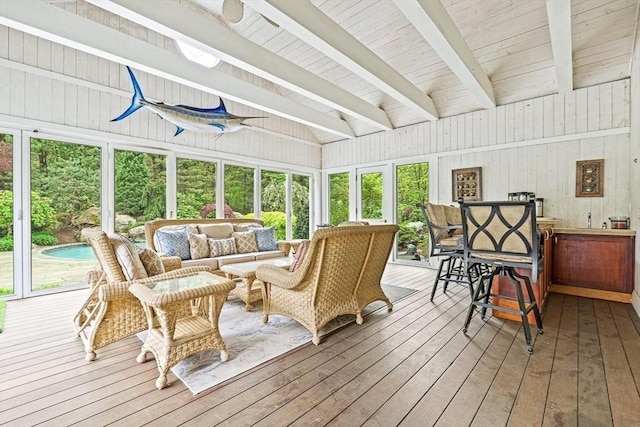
7	209
65	197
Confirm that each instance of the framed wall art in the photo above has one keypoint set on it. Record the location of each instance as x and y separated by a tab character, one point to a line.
590	178
467	183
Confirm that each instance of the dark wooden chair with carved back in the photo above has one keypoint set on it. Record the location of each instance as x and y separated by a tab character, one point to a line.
503	236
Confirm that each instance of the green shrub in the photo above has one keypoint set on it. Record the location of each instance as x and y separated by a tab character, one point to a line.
43	239
279	222
6	244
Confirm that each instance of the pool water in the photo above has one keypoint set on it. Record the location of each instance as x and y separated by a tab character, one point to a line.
71	252
80	251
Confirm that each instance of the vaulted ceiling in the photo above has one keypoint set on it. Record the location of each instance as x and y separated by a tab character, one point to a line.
346	68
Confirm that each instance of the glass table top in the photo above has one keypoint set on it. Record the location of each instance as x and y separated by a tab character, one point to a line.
184	283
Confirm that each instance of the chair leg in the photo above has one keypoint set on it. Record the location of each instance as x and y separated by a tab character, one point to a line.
474	298
535	308
524	311
438	276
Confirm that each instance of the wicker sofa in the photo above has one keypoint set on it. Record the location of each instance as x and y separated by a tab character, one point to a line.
339	274
217	231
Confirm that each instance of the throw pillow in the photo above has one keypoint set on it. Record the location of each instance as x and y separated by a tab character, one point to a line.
174	242
151	261
219	247
127	257
222	230
266	239
299	256
199	246
245	241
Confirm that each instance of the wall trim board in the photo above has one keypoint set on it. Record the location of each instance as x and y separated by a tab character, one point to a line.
531	142
48	129
18	66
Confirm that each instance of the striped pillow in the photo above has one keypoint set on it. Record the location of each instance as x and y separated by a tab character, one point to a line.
299	256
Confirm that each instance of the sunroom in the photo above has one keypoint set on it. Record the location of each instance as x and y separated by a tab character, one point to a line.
353	110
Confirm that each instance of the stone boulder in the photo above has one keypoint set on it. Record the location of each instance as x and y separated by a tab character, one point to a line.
123	222
90	217
137	234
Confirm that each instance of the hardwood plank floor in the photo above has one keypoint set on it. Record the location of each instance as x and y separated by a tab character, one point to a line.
411	367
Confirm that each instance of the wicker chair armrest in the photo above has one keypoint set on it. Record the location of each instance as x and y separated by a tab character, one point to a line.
117	290
278	276
171	263
284	246
152	298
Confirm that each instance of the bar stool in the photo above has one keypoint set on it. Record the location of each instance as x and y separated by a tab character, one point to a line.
503	236
445	242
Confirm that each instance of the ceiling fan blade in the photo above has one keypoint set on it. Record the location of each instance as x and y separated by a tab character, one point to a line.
270	21
232	10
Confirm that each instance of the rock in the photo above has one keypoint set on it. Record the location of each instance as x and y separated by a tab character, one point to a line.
411	249
90	217
137	234
123	222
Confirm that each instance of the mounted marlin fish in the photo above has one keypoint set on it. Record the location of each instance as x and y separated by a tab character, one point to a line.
215	120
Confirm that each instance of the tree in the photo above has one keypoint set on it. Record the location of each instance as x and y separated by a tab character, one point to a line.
131	178
338	197
67	174
6	162
412	188
238	187
43	215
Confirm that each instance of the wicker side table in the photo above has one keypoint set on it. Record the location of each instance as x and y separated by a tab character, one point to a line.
183	318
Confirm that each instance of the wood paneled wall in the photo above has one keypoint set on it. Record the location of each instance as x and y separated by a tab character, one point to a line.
531	145
54	84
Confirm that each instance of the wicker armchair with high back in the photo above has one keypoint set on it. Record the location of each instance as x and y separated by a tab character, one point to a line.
110	312
339	274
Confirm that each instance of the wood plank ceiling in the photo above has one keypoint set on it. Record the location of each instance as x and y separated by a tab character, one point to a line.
347	68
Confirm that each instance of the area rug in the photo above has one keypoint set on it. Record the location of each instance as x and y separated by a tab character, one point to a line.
251	342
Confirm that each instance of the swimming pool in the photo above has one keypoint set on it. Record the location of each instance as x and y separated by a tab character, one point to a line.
79	251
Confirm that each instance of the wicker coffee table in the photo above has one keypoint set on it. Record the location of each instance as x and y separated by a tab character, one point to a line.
183	318
246	271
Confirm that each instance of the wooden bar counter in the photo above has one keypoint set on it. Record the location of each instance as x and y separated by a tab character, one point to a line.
595	263
589	262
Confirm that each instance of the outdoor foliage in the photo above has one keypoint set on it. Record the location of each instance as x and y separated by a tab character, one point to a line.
43	216
338	197
43	239
238	187
6	243
276	219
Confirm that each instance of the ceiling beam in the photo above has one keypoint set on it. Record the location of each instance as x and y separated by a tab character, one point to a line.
434	24
559	17
180	22
316	29
55	24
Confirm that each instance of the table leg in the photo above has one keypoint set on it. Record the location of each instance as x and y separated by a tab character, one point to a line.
248	282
